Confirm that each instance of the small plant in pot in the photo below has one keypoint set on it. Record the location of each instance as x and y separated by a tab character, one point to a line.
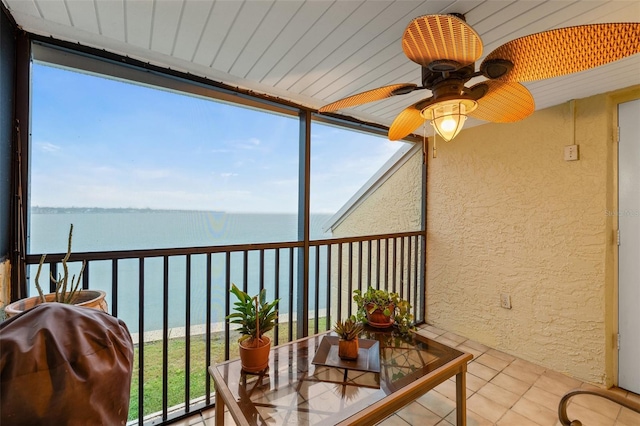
377	307
348	331
67	290
255	316
382	309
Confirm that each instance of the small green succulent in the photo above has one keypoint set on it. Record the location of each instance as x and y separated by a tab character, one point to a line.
348	329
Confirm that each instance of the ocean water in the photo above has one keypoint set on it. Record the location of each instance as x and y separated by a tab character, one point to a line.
106	230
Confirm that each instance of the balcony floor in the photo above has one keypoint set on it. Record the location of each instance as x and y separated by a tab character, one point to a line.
501	390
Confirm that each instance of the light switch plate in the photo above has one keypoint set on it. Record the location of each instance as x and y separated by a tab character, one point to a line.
571	152
505	301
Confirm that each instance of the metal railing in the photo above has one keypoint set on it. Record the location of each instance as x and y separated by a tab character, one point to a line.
175	301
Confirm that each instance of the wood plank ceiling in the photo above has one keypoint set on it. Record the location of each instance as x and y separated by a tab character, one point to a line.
315	52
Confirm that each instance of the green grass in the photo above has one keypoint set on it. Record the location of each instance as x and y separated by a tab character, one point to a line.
176	373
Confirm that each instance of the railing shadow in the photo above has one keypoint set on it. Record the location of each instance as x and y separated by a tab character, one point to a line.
611	396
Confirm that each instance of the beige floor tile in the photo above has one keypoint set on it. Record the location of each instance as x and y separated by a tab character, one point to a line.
499	395
416	413
435	330
492	362
599	405
211	421
511	418
502	390
191	421
521	373
445	341
628	418
511	384
448	389
428	334
476	353
393	420
543	398
563	378
487	408
454	337
474	383
438	403
475	345
473	419
556	383
210	413
529	365
503	356
482	371
587	417
536	413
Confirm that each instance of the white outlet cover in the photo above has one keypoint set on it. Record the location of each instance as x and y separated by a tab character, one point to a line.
571	152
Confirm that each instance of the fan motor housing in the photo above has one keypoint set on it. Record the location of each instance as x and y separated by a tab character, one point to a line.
432	79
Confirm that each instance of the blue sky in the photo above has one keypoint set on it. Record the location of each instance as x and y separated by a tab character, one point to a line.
98	142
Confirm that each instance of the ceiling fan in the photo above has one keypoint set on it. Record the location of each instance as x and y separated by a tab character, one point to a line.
446	48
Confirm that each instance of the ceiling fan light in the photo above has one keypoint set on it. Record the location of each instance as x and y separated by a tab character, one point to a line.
448	117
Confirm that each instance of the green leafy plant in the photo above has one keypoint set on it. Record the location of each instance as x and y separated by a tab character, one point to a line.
254	315
388	302
66	291
348	329
404	317
373	299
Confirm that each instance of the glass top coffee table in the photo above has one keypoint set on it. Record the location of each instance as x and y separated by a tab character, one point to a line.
295	390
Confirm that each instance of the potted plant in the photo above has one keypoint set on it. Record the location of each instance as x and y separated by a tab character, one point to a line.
255	317
67	290
382	309
348	331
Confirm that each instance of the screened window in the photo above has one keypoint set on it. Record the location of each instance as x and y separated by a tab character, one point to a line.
137	167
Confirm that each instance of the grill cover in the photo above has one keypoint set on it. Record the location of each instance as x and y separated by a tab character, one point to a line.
64	365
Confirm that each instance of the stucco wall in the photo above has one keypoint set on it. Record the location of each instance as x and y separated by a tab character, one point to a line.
507	214
394	207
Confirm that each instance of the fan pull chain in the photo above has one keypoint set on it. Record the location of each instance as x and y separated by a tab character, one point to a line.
424	143
435	148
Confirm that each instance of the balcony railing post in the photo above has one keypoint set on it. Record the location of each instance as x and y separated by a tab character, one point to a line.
303	223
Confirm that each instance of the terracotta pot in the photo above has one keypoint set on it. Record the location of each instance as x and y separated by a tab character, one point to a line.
348	349
377	318
94	299
255	359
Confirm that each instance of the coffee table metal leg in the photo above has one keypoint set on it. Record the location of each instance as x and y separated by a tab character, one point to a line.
461	397
219	409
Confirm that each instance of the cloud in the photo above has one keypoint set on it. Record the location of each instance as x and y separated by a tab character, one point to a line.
47	147
246	144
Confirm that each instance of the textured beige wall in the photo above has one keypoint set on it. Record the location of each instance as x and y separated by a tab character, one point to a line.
507	214
394	207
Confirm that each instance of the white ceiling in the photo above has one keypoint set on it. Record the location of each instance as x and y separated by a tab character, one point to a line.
317	51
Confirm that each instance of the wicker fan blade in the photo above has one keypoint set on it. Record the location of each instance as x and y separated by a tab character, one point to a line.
432	38
406	122
504	102
567	50
370	96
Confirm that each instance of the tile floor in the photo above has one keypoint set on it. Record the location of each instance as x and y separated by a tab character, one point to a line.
501	390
